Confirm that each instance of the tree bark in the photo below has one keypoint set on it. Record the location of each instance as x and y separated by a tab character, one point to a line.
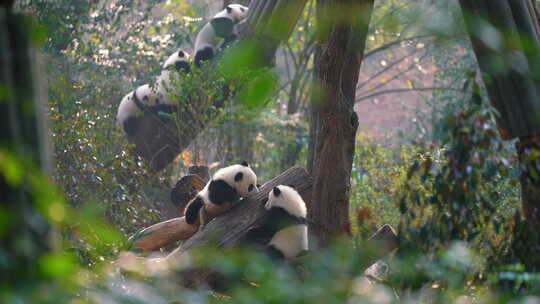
513	91
528	149
27	235
342	31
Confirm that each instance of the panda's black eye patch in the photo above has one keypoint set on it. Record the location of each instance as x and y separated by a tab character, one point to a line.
182	66
181	54
251	187
238	177
242	9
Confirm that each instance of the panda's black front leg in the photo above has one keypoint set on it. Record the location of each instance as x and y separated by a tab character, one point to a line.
204	54
203	218
228	41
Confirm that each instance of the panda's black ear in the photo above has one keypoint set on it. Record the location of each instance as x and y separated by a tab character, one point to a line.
181	54
276	191
238	177
245	164
229	9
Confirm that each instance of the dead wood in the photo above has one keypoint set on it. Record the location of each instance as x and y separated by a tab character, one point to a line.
243	216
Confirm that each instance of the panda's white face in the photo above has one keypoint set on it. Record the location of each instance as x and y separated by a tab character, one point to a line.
287	198
178	61
148	95
240	177
236	12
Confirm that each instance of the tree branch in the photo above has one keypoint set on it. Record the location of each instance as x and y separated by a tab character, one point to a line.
393	91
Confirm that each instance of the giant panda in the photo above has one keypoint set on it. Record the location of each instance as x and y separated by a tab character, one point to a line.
135	103
285	230
179	61
222	25
227	185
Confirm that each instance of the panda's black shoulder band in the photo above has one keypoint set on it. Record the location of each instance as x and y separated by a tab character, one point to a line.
138	102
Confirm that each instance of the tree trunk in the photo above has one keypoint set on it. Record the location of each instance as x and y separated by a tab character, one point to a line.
514	91
24	156
342	31
528	149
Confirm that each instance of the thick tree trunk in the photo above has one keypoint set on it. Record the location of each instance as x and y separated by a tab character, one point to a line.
528	149
24	154
513	90
342	31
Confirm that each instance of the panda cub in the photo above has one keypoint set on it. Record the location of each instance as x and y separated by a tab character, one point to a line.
179	61
222	25
227	185
285	230
134	103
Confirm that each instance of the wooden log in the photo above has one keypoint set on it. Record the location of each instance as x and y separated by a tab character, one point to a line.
380	244
162	234
165	233
231	227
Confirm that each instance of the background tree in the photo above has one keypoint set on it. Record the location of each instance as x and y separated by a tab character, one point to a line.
341	35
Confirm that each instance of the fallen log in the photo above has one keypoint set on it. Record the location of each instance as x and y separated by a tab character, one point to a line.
162	234
231	227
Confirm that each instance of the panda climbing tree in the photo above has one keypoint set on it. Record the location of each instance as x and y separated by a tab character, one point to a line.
145	113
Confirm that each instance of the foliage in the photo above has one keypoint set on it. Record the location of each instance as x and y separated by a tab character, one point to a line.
472	187
451	191
378	176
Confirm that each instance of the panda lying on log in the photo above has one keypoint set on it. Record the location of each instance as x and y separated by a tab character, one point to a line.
284	231
226	186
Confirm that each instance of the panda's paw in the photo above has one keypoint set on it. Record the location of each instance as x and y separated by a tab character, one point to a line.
204	54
